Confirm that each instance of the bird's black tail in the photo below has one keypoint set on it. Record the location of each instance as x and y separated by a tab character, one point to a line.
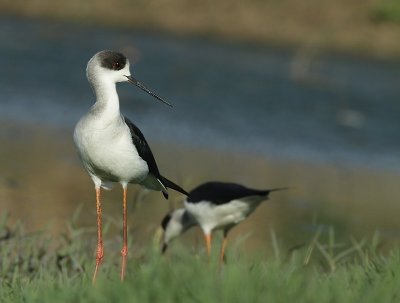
279	189
169	184
267	191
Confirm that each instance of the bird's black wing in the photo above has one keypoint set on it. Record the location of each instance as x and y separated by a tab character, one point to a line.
146	154
220	193
143	148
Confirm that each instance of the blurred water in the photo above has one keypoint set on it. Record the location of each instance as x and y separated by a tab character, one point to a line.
280	103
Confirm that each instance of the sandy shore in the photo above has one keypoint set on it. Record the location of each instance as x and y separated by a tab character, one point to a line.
42	183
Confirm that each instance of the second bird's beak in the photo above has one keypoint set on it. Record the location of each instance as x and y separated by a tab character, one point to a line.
142	87
164	248
158	238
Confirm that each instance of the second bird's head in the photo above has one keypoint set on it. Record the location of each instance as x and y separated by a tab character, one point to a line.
174	224
111	67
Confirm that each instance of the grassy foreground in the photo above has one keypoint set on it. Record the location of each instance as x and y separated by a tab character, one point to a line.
37	268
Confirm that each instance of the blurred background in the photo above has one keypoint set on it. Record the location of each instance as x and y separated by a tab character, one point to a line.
265	93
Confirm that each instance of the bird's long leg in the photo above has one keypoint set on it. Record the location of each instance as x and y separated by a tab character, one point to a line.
124	251
207	237
99	251
224	243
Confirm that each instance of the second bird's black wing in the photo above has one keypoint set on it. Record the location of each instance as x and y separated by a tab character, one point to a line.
220	193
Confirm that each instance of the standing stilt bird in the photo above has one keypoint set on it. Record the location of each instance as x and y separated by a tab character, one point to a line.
111	147
212	206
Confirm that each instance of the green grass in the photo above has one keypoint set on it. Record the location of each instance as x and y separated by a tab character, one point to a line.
386	11
40	268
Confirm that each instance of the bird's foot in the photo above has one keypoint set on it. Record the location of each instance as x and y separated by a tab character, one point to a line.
124	254
99	260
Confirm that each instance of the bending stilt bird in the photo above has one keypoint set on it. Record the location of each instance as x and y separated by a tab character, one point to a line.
212	206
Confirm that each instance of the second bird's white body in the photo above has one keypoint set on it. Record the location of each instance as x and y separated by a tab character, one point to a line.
211	217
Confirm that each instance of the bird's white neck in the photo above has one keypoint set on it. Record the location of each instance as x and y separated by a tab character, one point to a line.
107	101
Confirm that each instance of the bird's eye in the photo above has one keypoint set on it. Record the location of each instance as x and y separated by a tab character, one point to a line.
116	65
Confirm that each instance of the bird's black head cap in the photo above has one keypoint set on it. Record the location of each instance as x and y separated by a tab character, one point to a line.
112	60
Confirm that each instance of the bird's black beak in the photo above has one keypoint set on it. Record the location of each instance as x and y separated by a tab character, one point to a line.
164	248
142	87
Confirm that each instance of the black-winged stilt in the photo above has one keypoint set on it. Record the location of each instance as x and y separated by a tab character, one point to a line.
111	147
213	206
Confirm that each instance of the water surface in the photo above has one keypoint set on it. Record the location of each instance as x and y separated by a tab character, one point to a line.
263	101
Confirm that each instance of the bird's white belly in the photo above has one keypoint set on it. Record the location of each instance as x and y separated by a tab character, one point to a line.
110	154
212	217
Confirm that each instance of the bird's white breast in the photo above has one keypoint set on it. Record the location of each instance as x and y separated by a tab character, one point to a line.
107	150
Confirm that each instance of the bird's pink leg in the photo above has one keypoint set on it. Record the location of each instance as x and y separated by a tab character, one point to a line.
224	243
124	251
207	238
99	251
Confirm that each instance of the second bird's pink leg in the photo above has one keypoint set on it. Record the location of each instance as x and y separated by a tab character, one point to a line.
223	247
207	238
